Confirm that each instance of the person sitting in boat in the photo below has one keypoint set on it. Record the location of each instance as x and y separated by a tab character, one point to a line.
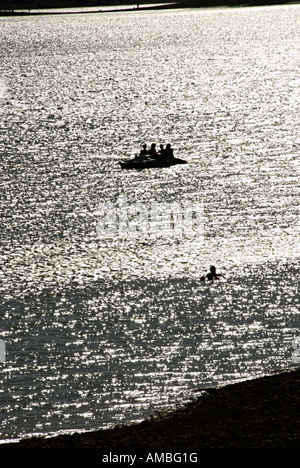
144	150
143	154
152	151
212	275
169	152
161	153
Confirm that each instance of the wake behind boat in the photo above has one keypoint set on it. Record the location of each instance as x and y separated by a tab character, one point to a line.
151	158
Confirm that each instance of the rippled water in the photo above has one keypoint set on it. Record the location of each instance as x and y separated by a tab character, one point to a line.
101	331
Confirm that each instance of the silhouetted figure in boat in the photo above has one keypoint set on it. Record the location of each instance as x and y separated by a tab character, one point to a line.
144	151
143	154
153	152
169	152
161	153
212	275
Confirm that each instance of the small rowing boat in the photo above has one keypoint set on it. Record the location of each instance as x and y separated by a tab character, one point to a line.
149	163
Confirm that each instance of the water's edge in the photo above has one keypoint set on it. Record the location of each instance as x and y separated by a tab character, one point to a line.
233	416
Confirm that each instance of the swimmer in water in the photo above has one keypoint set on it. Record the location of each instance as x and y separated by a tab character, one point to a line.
211	275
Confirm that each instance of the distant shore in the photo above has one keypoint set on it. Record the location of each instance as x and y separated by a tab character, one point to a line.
102	9
27	10
257	413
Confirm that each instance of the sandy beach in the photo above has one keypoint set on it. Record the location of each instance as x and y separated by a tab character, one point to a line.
257	413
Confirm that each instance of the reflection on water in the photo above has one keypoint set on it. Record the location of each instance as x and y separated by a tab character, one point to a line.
97	330
119	350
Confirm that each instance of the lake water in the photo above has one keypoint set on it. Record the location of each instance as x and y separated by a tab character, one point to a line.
98	330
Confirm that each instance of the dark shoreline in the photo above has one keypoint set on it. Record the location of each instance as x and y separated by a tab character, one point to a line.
259	413
42	12
176	5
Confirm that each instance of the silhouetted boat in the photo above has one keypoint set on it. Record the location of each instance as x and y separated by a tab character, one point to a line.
149	163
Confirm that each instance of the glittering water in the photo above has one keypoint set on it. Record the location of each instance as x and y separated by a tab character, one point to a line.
101	331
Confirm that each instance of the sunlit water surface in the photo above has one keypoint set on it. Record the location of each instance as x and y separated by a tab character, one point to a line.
103	331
